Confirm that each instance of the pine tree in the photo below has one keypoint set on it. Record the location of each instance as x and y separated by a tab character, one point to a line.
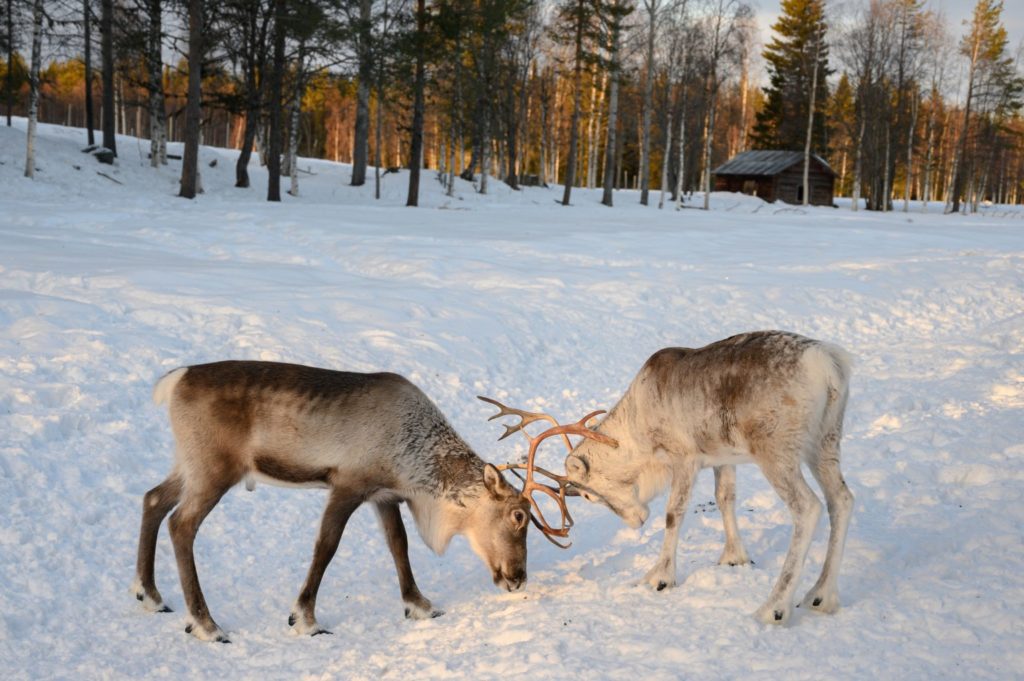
990	71
575	27
782	123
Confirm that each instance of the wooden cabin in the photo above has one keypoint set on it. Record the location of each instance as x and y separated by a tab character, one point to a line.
776	176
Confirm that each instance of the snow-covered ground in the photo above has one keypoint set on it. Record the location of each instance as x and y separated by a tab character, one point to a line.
105	285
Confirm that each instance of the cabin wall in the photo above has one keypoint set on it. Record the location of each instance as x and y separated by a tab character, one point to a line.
789	186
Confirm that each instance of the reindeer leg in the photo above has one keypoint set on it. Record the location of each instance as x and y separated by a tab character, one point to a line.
725	497
157	503
340	506
784	475
183	525
824	595
416	606
663	574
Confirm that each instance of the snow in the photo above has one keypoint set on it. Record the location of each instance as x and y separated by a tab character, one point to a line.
106	285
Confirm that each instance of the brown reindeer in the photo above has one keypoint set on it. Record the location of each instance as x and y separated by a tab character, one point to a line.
365	437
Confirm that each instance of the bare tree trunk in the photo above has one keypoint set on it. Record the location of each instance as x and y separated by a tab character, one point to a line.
485	155
9	84
682	151
665	156
274	91
910	153
858	163
886	177
416	150
296	113
645	134
744	97
193	109
545	134
610	135
90	123
109	112
33	87
810	122
570	166
157	112
378	136
511	137
122	116
107	49
593	128
362	123
709	131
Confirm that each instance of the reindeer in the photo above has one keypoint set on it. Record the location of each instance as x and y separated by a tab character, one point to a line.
770	397
364	437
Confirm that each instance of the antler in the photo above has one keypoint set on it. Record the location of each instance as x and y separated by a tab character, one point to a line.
530	485
525	419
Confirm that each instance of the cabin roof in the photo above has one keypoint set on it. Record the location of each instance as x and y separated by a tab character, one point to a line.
766	162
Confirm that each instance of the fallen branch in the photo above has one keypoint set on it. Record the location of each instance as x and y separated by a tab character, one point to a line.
109	177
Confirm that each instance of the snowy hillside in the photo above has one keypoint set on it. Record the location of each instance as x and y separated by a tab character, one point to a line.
108	282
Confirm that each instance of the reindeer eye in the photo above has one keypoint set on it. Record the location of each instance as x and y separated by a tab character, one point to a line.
518	517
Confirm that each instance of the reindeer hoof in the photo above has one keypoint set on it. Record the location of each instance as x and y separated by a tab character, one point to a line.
421	610
210	632
151	602
821	600
322	631
773	614
305	625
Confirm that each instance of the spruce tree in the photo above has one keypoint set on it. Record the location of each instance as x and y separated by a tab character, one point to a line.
782	123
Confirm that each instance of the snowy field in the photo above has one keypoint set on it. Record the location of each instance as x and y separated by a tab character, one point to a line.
106	285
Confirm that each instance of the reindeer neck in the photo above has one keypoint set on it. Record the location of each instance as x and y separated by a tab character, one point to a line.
448	479
439	518
621	423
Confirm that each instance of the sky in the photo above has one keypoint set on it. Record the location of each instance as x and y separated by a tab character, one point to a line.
956	12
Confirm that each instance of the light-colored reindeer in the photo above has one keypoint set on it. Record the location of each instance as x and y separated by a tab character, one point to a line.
772	398
365	437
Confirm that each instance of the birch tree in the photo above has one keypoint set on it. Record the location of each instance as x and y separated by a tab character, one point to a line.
653	9
613	16
721	27
154	66
33	80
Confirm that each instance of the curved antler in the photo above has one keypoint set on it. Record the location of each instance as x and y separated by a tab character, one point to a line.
530	485
525	419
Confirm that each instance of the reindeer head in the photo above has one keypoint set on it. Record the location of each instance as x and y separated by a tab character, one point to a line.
530	485
601	475
497	530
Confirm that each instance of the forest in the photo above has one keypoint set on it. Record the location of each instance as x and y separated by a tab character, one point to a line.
649	95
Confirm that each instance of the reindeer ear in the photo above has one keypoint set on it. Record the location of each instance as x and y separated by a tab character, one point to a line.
576	467
495	483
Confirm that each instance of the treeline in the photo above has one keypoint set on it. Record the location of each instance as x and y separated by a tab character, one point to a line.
645	94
